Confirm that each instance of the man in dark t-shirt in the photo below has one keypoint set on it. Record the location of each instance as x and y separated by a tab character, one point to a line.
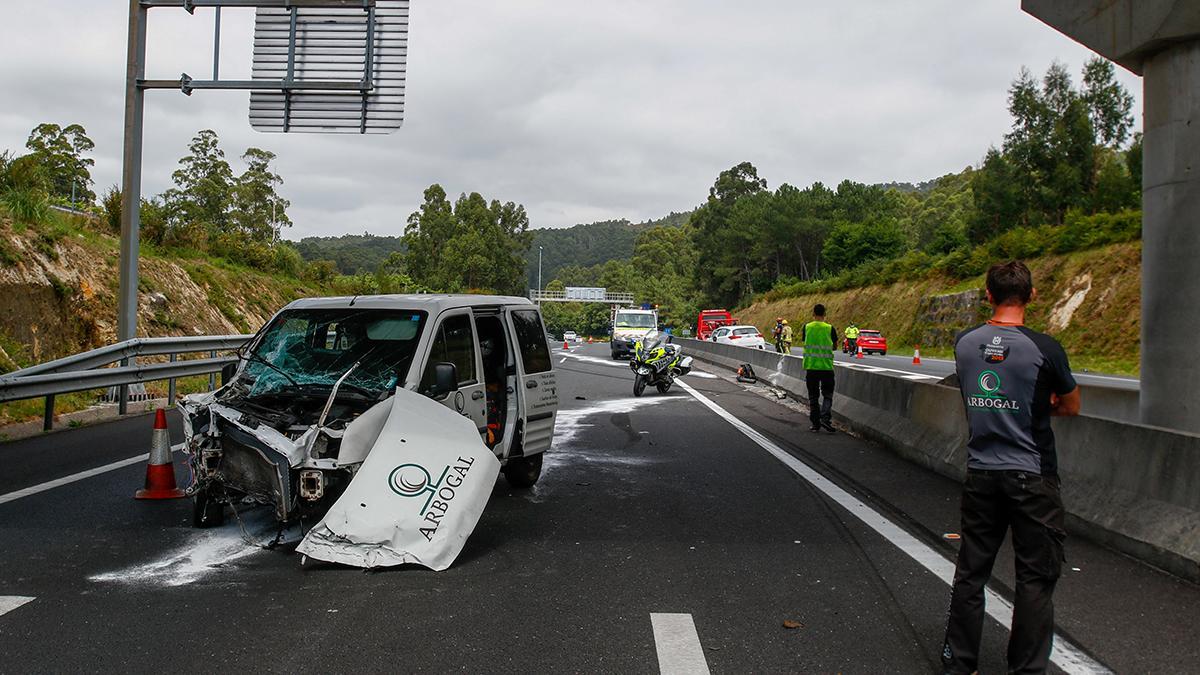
1013	380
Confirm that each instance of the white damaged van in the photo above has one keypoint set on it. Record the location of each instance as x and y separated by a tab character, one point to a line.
334	392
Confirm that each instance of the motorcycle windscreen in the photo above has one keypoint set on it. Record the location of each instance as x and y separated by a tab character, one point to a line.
417	496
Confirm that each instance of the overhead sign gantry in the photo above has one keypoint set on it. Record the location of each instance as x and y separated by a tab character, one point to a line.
320	66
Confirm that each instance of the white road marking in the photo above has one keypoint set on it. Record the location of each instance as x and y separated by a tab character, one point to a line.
10	602
678	646
594	359
1066	655
878	369
67	480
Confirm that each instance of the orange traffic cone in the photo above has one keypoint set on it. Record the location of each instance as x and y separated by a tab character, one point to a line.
858	355
566	346
917	356
160	472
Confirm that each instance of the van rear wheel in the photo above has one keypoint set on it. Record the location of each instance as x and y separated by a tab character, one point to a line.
523	472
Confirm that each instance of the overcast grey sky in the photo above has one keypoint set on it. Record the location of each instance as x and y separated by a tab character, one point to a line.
580	110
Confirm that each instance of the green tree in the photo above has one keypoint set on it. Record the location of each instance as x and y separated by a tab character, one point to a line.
852	244
258	212
472	245
722	271
1109	105
204	184
61	152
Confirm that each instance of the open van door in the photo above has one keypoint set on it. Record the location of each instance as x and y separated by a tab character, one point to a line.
454	343
537	390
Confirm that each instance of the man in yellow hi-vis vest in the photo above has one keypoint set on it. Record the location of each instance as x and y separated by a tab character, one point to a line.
819	338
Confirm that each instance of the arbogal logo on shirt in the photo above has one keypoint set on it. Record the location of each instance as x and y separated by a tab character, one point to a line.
989	397
414	480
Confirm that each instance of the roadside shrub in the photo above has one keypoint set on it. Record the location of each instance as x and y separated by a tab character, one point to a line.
111	205
319	271
287	260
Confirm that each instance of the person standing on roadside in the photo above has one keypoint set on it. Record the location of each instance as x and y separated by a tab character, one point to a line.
785	338
1013	380
852	338
819	338
777	335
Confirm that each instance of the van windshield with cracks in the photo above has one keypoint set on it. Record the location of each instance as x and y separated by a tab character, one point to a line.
305	349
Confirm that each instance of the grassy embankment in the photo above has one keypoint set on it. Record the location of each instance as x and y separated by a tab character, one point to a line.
1100	333
58	290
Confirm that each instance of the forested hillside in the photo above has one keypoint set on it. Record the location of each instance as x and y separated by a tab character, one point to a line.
589	245
351	253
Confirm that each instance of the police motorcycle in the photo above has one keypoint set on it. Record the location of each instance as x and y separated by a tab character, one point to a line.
655	362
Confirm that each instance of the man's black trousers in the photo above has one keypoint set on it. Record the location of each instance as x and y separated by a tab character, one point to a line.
993	502
820	383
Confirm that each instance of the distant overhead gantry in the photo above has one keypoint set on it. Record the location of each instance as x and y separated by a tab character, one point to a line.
580	294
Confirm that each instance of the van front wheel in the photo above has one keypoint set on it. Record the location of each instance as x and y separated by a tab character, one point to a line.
523	472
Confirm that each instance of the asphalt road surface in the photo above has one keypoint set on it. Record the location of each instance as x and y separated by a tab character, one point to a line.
676	531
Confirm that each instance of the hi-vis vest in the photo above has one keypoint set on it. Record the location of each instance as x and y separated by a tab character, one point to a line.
852	333
818	346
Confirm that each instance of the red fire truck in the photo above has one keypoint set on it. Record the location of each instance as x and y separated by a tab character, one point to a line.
712	319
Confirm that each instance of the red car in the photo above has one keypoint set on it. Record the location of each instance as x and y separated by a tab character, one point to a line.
871	341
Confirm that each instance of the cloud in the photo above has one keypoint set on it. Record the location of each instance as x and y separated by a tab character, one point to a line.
578	110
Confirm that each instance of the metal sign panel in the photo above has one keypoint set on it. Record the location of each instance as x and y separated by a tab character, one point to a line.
585	293
362	50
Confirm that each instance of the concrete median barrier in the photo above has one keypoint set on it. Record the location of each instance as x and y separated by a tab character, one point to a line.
1126	485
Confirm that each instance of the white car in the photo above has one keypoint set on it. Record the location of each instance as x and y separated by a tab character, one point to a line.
741	336
570	336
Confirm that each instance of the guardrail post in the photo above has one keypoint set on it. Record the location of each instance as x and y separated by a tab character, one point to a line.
123	394
171	387
48	415
212	377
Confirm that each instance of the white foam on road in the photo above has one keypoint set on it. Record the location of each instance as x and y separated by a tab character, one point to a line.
208	552
10	602
678	645
570	422
1066	655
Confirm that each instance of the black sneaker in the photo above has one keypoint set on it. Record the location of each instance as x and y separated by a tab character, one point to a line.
815	428
828	427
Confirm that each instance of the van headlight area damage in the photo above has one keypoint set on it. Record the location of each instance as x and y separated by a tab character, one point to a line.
402	480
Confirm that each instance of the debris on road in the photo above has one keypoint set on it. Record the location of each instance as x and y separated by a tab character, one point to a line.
792	625
417	496
951	536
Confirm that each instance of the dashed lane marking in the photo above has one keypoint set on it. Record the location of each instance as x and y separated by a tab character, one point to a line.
1066	656
10	602
678	646
67	480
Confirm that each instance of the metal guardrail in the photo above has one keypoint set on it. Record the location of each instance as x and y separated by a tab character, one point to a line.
81	372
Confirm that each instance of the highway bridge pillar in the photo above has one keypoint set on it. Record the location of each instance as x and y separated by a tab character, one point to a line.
1160	40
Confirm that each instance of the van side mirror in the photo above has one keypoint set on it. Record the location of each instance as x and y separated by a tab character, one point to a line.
445	380
227	373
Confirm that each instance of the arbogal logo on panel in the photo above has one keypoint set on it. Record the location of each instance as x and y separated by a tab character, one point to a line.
415	481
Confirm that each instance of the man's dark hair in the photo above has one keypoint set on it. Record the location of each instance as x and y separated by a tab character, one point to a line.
1009	283
819	310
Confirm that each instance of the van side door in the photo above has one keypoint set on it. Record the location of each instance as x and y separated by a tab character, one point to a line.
454	341
536	385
